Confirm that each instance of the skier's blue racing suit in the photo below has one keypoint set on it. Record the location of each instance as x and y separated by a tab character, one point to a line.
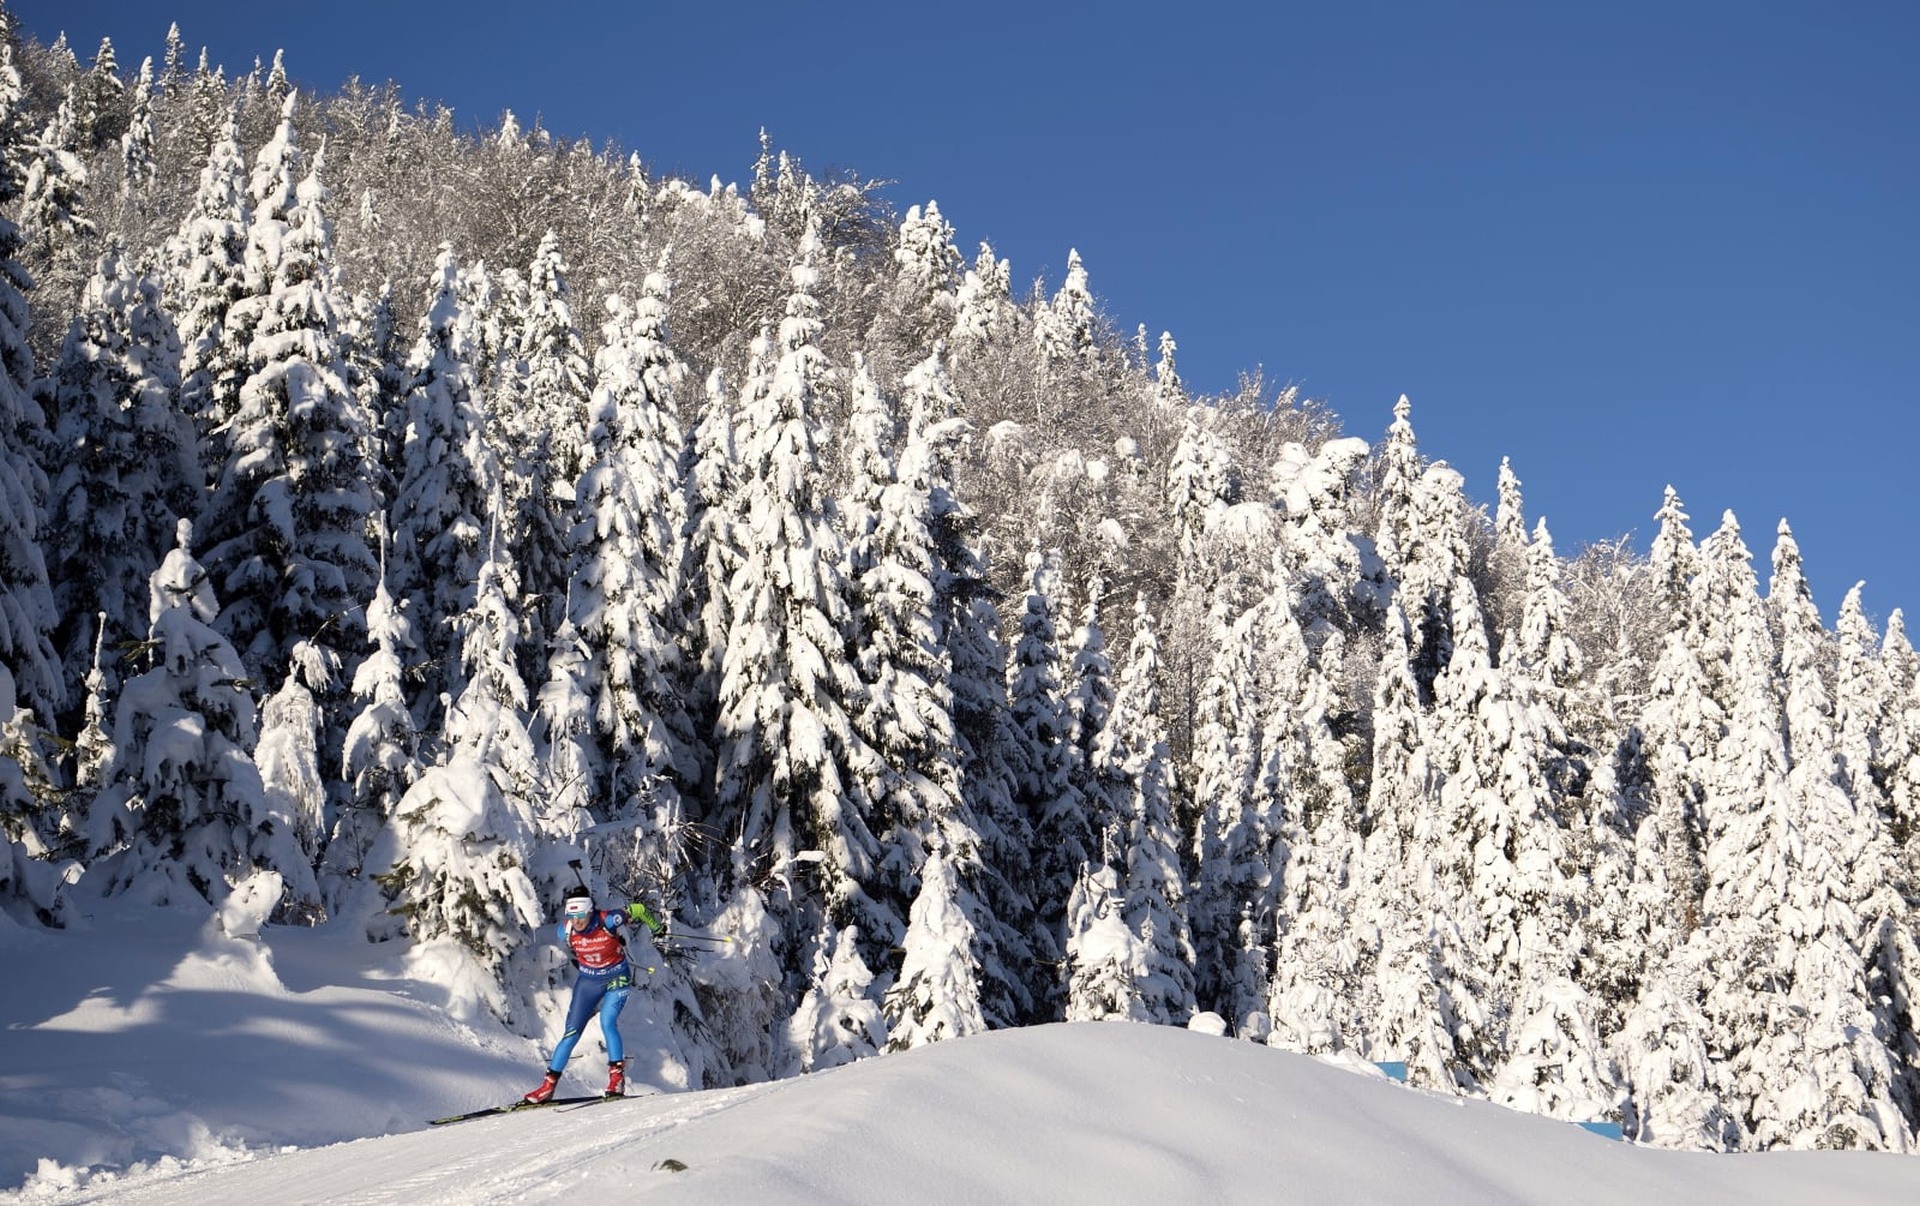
605	978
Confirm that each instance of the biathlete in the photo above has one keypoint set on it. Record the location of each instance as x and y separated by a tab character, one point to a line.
603	981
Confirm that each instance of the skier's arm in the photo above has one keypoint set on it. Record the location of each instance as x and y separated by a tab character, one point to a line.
642	914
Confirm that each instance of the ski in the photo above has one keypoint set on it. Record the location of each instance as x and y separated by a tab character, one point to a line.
515	1108
583	1104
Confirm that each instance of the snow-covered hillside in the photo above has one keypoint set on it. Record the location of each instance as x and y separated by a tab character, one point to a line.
402	516
148	1057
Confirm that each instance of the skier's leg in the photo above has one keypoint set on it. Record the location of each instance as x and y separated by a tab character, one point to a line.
610	1007
587	994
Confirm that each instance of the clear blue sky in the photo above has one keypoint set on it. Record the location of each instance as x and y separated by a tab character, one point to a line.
1625	244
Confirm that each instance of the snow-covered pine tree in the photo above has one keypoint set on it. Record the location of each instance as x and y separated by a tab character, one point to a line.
1509	562
181	796
1230	879
30	682
1199	483
741	994
838	1020
917	633
273	190
454	861
907	713
97	100
1066	331
565	745
1896	972
660	429
985	316
541	426
1090	691
123	466
1230	579
921	303
784	195
1105	960
277	87
1877	723
1335	583
375	352
1064	841
1133	754
629	508
26	601
292	821
1433	561
872	434
1307	833
53	210
1169	391
500	302
1509	517
289	513
786	745
711	478
997	871
1865	704
1546	653
1213	546
1165	400
937	993
635	203
31	881
491	328
66	63
207	100
1063	369
1598	771
1674	1080
137	144
1837	857
1747	953
93	748
1899	763
1509	842
1337	578
1431	1011
1681	724
1424	1003
1396	471
205	274
380	760
989	334
447	480
173	64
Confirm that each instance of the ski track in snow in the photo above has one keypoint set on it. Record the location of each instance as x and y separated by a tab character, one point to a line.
534	1156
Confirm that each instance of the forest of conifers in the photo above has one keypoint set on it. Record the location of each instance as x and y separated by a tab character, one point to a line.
393	512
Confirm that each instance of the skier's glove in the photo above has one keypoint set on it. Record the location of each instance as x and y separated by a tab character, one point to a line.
642	914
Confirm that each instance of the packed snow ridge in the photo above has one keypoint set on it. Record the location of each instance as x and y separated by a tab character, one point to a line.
184	1065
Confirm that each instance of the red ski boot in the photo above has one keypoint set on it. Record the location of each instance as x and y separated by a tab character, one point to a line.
617	1078
544	1093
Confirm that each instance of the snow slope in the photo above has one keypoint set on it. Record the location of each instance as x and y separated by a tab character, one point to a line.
150	1058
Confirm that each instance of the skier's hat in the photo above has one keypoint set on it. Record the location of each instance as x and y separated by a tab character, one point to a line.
579	902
